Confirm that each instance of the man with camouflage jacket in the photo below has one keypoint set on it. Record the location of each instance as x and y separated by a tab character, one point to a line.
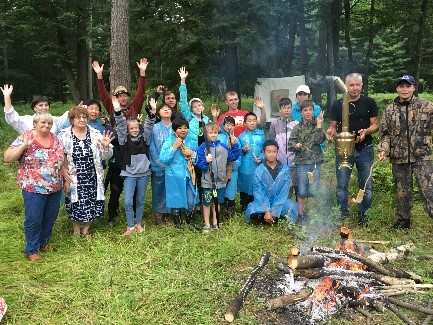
406	138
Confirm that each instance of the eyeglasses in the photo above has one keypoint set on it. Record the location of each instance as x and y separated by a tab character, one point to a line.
81	117
301	93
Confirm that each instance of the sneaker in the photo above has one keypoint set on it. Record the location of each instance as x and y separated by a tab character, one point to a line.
206	229
215	227
303	219
139	228
129	231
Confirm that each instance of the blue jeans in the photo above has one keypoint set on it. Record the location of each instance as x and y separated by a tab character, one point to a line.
158	192
137	185
363	159
41	212
305	189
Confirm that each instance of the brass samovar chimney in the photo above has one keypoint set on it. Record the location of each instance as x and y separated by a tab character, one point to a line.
344	141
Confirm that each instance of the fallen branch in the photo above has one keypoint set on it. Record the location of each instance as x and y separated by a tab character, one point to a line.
429	317
406	305
282	301
404	286
237	303
365	313
382	242
400	315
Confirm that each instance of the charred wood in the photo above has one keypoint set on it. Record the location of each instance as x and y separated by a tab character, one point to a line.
238	301
289	299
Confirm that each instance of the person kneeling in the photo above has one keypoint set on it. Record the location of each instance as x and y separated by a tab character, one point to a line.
271	190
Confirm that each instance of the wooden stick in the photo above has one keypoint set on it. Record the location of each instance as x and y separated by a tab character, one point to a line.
429	317
238	301
403	304
400	315
403	286
282	301
365	313
383	242
378	307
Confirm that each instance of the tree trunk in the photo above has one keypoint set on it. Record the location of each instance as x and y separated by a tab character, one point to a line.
420	40
81	46
5	62
302	37
347	35
291	45
336	10
370	45
119	47
232	69
331	67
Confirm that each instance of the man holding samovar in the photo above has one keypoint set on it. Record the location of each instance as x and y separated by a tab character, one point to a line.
363	122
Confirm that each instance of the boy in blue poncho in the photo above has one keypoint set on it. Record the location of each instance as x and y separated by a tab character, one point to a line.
214	162
226	136
271	189
251	141
178	155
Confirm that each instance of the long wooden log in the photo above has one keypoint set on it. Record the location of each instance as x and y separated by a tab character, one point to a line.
365	313
392	255
238	301
371	264
400	315
406	305
305	261
285	300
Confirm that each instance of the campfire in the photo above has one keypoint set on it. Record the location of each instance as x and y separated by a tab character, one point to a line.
324	282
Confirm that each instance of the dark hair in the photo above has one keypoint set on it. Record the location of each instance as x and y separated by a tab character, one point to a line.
285	101
160	107
92	102
306	103
249	114
270	142
39	99
178	122
229	119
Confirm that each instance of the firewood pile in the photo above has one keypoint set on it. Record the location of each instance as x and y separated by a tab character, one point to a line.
322	283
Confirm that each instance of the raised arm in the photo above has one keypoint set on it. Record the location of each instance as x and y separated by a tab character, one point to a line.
141	87
102	91
258	102
13	153
183	94
7	91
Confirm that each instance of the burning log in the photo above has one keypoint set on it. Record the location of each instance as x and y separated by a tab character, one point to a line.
371	264
237	303
400	315
296	261
289	299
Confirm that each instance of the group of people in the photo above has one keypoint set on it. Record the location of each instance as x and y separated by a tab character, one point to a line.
191	158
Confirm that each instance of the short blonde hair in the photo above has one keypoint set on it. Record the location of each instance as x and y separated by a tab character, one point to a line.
42	117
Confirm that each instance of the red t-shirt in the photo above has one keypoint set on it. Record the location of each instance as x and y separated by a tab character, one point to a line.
239	120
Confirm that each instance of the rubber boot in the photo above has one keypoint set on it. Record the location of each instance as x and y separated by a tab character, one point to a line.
230	212
158	219
177	219
190	221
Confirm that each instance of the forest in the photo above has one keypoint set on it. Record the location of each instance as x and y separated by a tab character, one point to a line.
47	46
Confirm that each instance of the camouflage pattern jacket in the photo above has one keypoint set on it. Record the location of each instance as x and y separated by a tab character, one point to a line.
406	131
311	137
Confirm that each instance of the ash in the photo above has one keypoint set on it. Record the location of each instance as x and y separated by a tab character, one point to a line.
331	294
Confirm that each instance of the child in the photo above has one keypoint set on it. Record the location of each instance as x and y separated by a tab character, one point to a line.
271	189
305	141
251	141
178	154
280	131
134	145
161	131
218	155
226	135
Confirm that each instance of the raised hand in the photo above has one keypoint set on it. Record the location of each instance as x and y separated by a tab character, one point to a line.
116	104
215	111
107	137
298	145
7	90
142	65
140	118
152	103
319	120
97	68
258	102
27	141
160	89
182	73
233	139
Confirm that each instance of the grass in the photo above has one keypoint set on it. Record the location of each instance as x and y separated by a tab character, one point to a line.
164	276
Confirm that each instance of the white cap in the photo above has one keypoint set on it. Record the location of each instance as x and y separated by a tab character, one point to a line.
303	88
195	99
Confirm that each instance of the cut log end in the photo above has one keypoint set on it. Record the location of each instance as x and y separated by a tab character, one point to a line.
229	317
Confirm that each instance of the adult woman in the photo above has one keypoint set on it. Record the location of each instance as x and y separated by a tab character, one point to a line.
85	148
40	157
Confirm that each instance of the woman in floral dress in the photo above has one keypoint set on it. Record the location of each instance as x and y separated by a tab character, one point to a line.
85	149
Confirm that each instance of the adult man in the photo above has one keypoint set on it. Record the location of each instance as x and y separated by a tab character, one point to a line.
131	110
406	138
25	122
169	100
303	93
232	101
363	120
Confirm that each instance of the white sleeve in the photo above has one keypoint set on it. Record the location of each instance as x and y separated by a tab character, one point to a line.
19	123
